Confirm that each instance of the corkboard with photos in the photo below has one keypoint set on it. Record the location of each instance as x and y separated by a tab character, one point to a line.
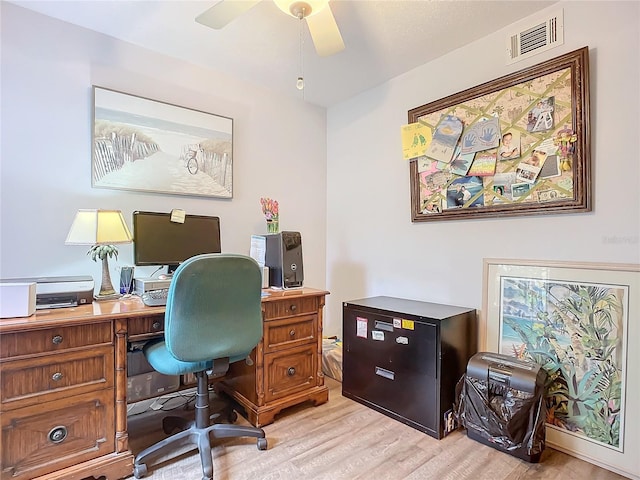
518	145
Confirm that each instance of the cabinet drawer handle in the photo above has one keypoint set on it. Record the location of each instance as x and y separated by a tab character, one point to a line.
56	377
156	325
57	434
293	308
292	333
291	371
57	339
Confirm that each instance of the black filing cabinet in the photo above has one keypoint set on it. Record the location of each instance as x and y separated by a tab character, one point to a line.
403	358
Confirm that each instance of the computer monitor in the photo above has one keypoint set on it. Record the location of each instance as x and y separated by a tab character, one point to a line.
157	240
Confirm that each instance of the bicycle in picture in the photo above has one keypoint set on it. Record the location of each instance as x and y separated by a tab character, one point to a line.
190	157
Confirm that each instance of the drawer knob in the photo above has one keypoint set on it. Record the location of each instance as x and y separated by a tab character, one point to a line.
156	325
291	371
292	333
57	339
293	308
57	434
56	377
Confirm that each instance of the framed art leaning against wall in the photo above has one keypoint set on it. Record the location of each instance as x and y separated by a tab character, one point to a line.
580	321
150	146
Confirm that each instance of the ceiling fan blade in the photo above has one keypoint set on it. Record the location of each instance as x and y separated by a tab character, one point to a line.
224	12
324	32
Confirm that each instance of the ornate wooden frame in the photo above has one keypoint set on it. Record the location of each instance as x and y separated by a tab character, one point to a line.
511	99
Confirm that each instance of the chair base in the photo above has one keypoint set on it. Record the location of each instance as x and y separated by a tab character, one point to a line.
198	433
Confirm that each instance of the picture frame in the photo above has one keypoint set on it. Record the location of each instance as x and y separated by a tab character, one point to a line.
151	146
543	112
580	322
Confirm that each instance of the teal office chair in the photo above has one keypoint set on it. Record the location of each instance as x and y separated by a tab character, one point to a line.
213	318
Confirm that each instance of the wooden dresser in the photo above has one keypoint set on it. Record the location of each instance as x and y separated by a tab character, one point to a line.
63	397
287	363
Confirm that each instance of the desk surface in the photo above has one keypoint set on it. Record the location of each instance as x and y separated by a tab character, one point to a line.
110	309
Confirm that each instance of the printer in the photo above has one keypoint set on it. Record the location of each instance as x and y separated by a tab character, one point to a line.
58	292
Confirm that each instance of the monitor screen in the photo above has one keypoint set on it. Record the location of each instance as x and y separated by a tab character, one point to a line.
159	241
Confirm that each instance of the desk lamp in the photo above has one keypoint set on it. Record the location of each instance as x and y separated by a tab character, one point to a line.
101	229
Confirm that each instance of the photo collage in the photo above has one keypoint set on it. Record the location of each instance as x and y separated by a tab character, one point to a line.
511	147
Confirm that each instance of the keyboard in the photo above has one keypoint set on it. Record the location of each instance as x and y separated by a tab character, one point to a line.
155	298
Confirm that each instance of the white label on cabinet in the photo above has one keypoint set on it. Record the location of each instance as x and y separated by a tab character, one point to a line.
402	340
361	327
397	323
377	335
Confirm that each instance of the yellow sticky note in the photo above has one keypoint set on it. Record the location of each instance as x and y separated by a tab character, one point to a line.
407	324
416	137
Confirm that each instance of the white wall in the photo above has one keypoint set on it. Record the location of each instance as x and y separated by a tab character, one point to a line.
48	68
372	246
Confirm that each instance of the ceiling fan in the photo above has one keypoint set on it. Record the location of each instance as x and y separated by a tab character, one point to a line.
322	25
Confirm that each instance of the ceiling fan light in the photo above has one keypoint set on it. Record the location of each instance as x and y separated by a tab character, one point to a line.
291	7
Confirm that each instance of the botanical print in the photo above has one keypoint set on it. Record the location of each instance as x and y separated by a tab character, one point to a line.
577	332
141	144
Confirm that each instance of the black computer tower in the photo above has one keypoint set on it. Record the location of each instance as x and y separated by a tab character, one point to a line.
283	256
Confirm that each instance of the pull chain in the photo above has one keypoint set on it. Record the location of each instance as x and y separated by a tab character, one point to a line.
300	81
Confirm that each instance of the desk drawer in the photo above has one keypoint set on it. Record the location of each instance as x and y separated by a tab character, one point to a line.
55	339
145	327
290	332
289	372
47	437
24	382
288	307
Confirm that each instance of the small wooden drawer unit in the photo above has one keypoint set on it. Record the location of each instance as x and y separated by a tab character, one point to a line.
53	340
143	328
42	438
56	398
286	365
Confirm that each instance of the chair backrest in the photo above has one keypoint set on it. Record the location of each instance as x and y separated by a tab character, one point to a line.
214	308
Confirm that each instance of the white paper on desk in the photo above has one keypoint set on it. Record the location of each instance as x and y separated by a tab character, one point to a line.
258	249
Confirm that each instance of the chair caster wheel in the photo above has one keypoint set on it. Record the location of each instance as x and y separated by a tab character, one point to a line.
262	444
140	471
233	416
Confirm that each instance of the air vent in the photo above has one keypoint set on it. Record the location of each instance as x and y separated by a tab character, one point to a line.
535	36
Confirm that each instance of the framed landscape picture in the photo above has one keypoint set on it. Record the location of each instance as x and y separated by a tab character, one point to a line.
150	146
579	321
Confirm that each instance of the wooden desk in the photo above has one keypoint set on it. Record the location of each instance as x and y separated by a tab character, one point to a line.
63	373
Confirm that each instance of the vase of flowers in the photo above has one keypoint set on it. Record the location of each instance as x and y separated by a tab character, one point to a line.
271	215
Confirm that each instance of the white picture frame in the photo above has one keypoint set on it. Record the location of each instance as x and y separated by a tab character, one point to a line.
557	312
150	146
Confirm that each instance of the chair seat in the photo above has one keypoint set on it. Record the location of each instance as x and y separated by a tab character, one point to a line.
162	361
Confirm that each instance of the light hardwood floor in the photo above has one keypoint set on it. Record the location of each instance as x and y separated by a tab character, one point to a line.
345	440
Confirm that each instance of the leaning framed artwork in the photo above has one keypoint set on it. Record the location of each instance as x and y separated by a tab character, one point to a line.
580	322
151	146
518	145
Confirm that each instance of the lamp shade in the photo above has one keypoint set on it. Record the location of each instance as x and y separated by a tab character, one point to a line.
95	227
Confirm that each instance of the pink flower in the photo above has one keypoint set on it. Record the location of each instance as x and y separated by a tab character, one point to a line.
269	208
